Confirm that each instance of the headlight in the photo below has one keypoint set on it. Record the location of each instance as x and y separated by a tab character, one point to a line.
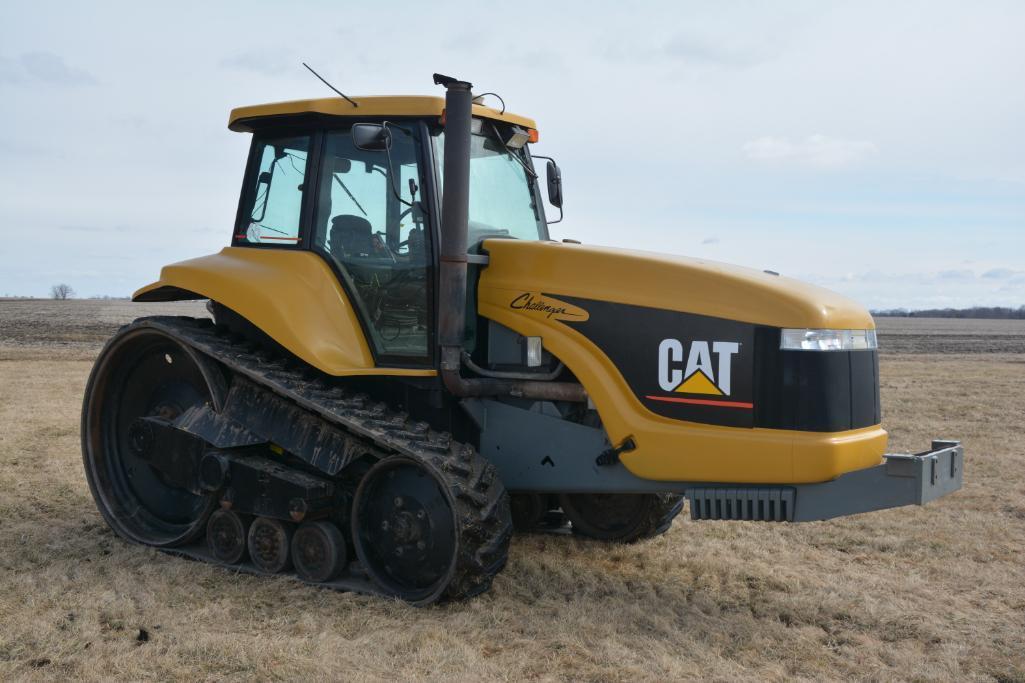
828	340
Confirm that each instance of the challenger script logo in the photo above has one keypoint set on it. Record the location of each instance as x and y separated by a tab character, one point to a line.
700	375
533	302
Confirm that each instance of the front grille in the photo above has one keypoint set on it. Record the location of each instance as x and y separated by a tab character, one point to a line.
763	504
814	391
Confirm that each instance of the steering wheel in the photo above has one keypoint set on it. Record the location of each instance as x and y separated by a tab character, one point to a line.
381	246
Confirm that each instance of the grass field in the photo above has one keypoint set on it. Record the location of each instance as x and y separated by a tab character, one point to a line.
933	593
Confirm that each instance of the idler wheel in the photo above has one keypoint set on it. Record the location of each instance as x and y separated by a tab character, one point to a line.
143	372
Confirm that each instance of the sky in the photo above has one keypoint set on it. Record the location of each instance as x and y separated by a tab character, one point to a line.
875	148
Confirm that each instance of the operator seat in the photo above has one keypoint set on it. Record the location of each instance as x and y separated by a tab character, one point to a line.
351	237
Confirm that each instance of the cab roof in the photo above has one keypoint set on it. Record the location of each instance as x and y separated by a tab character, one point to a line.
243	119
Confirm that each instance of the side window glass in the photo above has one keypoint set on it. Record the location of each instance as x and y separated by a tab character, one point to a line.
275	193
364	224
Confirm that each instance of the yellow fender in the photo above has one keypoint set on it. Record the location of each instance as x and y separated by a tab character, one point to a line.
293	296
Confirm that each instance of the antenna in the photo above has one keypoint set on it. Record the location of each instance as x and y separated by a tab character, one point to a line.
347	99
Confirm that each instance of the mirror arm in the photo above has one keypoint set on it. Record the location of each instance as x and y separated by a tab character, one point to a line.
391	170
557	221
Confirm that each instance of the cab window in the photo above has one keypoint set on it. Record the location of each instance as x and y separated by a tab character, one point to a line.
503	197
369	224
274	192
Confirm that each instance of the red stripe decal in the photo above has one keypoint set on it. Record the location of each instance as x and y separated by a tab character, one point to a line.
268	237
702	402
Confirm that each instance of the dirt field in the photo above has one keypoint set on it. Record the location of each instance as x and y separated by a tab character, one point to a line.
934	593
949	335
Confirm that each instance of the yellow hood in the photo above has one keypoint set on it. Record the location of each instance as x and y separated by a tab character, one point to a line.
676	283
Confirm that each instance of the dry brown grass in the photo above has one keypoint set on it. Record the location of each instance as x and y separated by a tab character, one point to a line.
917	593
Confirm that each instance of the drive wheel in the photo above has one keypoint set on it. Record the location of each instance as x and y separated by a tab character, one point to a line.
140	373
269	544
426	530
620	517
318	551
226	534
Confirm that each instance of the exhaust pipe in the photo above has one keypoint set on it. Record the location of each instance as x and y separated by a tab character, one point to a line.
455	216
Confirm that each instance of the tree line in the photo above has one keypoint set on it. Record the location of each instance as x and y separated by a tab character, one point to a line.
981	312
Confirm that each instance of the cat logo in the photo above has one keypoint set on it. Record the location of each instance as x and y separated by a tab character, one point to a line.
699	376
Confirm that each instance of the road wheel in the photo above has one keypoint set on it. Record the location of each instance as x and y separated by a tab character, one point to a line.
270	541
226	535
318	551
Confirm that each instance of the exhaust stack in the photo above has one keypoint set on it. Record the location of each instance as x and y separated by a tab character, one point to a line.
455	216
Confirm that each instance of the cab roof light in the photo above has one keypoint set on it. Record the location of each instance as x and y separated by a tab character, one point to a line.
517	138
828	340
532	135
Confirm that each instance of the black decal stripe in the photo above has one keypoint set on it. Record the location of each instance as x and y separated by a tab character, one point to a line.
829	391
630	337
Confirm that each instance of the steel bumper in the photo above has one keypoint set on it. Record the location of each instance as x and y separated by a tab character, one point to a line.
902	479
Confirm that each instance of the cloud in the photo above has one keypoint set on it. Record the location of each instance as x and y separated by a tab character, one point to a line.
94	228
20	148
815	150
259	62
1001	274
464	42
957	274
9	71
536	59
693	48
710	240
44	67
925	289
688	48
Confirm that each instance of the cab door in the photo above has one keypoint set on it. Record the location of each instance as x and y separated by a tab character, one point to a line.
369	224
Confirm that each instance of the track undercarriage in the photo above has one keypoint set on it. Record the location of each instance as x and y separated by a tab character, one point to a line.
207	444
188	432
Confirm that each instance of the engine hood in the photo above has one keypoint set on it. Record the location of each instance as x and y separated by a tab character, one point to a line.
675	283
629	325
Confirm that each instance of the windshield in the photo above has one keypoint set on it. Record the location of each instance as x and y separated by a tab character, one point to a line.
503	202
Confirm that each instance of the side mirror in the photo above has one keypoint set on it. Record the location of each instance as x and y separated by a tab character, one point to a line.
554	184
371	137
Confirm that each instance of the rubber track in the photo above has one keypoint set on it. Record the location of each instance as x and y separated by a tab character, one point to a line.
483	515
662	514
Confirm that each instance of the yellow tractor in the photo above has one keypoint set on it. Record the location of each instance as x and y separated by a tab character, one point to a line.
402	366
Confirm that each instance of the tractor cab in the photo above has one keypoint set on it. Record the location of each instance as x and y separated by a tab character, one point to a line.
362	189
